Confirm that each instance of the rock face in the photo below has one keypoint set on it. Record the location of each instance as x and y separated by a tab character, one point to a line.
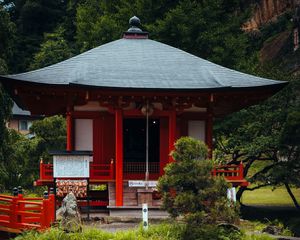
267	11
69	214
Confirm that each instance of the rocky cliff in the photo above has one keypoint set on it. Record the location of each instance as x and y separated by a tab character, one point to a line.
265	11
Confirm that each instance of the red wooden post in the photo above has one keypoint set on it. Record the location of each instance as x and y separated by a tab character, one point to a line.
20	206
164	145
69	131
172	132
52	209
214	172
45	213
119	156
13	218
241	171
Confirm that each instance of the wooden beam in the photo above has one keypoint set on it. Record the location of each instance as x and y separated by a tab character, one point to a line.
70	127
119	156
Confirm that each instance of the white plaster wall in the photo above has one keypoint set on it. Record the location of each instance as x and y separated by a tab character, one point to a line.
84	134
196	129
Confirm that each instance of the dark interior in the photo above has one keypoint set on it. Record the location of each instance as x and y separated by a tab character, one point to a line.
134	132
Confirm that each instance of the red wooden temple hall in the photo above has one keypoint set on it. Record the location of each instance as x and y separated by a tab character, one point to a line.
106	92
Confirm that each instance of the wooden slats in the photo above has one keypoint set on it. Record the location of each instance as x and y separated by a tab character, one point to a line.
232	173
20	213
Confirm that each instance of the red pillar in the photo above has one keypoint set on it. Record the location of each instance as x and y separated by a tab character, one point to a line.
119	157
209	133
69	132
172	132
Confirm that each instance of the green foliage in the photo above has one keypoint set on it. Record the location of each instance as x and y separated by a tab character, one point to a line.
7	40
95	25
155	232
50	135
32	18
20	162
20	159
210	29
5	148
258	237
173	231
203	232
7	36
54	49
188	188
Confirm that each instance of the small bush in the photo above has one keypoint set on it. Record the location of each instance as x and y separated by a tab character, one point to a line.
188	188
204	232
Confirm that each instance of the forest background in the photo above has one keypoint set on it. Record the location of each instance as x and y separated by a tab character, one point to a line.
266	137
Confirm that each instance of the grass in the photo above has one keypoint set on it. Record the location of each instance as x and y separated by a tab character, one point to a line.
269	197
155	232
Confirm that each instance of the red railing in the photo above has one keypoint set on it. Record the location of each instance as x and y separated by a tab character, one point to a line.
46	171
230	172
102	171
97	171
18	213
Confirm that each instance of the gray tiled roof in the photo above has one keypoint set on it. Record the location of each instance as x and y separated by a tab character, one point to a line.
141	63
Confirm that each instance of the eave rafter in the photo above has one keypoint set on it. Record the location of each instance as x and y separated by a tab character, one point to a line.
60	99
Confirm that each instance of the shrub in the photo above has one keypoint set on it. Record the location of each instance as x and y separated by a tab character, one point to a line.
188	188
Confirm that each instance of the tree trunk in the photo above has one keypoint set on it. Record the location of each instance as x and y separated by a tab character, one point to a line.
292	196
239	194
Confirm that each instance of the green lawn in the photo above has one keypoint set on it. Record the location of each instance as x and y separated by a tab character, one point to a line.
268	197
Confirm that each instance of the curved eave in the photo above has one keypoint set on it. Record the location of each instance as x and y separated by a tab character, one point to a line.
262	93
7	81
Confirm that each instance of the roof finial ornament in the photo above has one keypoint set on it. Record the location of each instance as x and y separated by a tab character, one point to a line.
135	23
134	31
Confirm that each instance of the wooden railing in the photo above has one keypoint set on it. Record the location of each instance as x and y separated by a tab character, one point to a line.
18	213
102	171
97	171
46	171
230	172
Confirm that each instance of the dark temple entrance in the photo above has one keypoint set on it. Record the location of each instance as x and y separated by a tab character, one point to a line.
134	133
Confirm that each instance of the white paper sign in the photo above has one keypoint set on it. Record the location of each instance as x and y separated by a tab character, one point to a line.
137	183
71	166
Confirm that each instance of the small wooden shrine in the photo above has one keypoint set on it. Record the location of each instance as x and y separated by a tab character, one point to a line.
108	93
